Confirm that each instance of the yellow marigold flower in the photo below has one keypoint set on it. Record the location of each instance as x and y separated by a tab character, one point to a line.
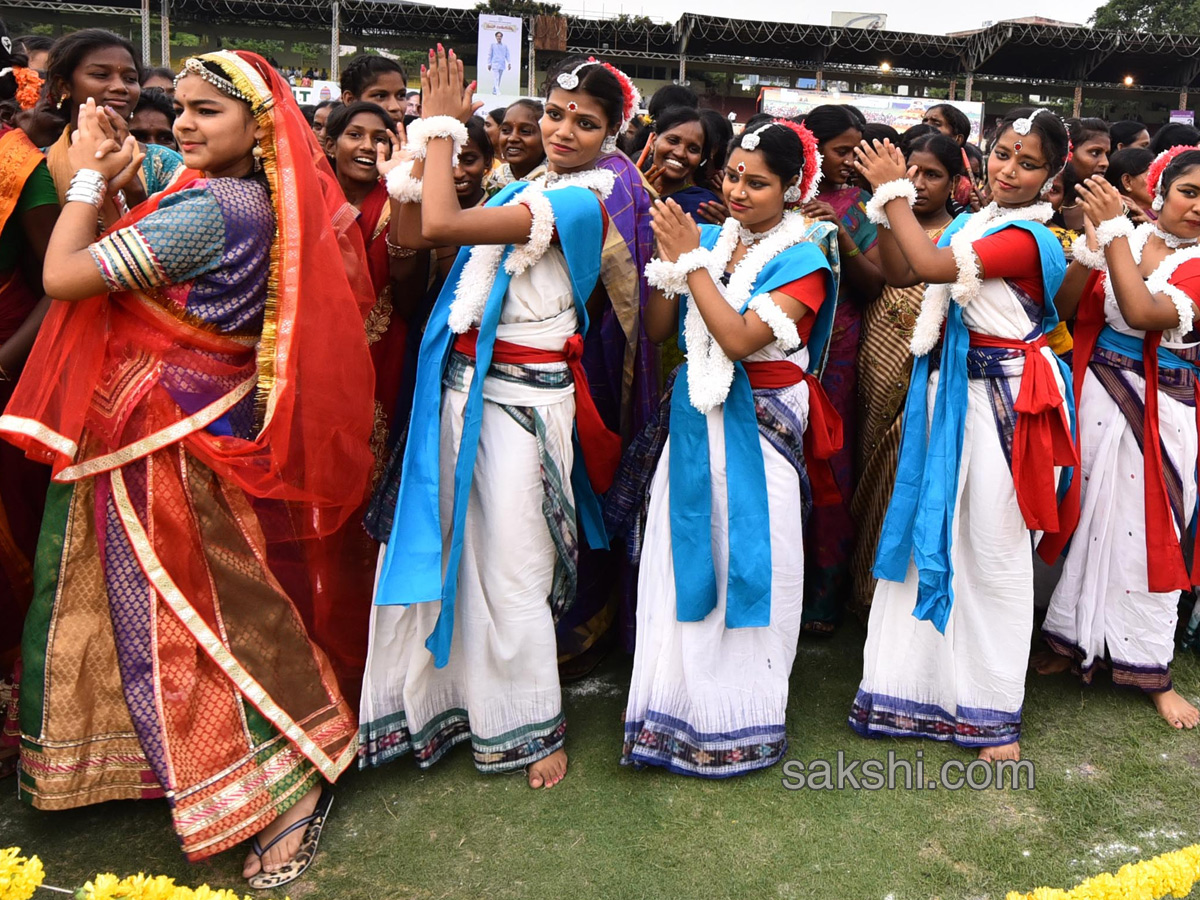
1170	875
19	877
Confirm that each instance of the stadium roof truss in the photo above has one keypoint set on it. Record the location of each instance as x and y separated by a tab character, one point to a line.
1016	52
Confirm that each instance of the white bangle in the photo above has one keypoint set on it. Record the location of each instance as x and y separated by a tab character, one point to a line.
1111	229
401	186
87	186
787	336
422	131
885	194
671	277
1086	256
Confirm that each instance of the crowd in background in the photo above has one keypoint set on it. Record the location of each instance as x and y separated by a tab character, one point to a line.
739	380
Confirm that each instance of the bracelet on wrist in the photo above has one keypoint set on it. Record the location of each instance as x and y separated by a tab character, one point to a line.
87	186
401	186
395	251
421	132
671	277
900	188
1111	229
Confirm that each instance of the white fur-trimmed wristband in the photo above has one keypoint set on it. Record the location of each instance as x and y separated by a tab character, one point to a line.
1159	283
885	194
671	277
422	131
541	232
401	186
787	336
1086	256
1111	229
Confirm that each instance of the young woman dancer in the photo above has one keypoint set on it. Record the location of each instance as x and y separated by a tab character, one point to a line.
482	553
209	367
885	358
722	568
948	637
1117	600
831	537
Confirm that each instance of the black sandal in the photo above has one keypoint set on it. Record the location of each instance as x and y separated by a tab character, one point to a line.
296	866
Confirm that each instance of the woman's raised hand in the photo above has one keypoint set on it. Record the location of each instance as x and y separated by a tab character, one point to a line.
880	162
95	145
389	155
442	89
674	230
1100	200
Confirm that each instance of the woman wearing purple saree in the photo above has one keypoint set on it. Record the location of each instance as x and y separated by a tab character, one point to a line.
831	530
622	367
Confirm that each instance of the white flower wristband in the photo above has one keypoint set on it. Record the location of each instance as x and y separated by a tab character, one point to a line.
1159	283
1086	256
1111	229
422	131
885	194
671	277
541	232
787	336
401	186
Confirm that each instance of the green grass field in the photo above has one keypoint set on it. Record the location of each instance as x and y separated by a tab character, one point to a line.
1113	784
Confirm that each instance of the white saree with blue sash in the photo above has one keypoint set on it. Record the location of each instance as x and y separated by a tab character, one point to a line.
484	540
721	582
950	623
1101	606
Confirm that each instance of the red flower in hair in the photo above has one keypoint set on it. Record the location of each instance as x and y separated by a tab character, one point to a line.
633	99
29	86
810	169
1154	173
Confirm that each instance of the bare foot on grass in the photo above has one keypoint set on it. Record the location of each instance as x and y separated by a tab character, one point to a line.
278	855
1004	751
1047	662
1177	711
547	772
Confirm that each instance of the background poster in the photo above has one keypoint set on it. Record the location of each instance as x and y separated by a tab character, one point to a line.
499	63
899	112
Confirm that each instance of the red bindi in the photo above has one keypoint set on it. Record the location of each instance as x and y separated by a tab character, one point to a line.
573	107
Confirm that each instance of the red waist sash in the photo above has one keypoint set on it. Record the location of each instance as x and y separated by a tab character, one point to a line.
1042	434
601	447
822	437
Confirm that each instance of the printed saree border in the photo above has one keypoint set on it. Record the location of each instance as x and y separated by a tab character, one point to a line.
33	429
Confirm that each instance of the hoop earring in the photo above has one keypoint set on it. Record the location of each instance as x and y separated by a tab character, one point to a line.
257	153
609	145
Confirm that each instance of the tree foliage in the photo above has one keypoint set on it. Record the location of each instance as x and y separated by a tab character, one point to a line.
1155	16
518	8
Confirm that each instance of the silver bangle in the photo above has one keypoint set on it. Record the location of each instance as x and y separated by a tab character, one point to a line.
87	186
